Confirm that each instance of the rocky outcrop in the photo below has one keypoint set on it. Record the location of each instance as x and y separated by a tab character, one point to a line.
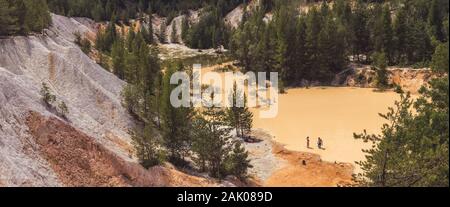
234	18
407	78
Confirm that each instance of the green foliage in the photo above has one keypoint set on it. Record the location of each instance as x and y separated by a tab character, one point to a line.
102	10
105	38
104	61
136	62
174	34
8	21
413	147
147	32
141	69
21	17
48	98
46	95
239	117
309	47
63	110
201	142
176	122
209	32
437	12
359	26
316	45
380	66
238	163
162	34
212	141
214	149
37	16
84	44
148	146
382	34
440	58
184	28
118	58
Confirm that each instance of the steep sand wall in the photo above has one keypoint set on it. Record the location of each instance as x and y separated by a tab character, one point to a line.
408	78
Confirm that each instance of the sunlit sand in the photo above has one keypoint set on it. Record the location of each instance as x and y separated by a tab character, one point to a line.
333	114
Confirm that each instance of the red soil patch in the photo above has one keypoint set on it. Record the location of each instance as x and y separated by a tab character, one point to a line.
78	160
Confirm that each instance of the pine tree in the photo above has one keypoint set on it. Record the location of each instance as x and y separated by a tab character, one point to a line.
8	21
314	62
239	116
201	143
148	31
213	149
118	58
147	145
141	70
130	40
435	19
387	33
440	59
380	65
98	13
282	20
376	29
401	30
299	71
238	163
184	29
343	11
37	16
412	150
359	26
176	122
174	34
106	38
162	32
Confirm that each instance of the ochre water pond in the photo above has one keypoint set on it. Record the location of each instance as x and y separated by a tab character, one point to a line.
332	113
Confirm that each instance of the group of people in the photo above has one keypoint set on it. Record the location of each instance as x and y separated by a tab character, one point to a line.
319	143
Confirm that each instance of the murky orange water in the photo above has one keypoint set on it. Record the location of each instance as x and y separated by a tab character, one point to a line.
333	114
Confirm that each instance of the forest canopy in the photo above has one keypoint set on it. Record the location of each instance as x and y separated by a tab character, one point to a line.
21	17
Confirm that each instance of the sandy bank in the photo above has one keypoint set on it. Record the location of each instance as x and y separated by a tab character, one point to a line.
275	166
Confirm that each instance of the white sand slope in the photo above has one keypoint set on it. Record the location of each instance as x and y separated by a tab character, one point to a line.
91	93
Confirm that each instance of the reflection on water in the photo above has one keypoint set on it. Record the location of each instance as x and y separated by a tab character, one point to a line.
333	114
